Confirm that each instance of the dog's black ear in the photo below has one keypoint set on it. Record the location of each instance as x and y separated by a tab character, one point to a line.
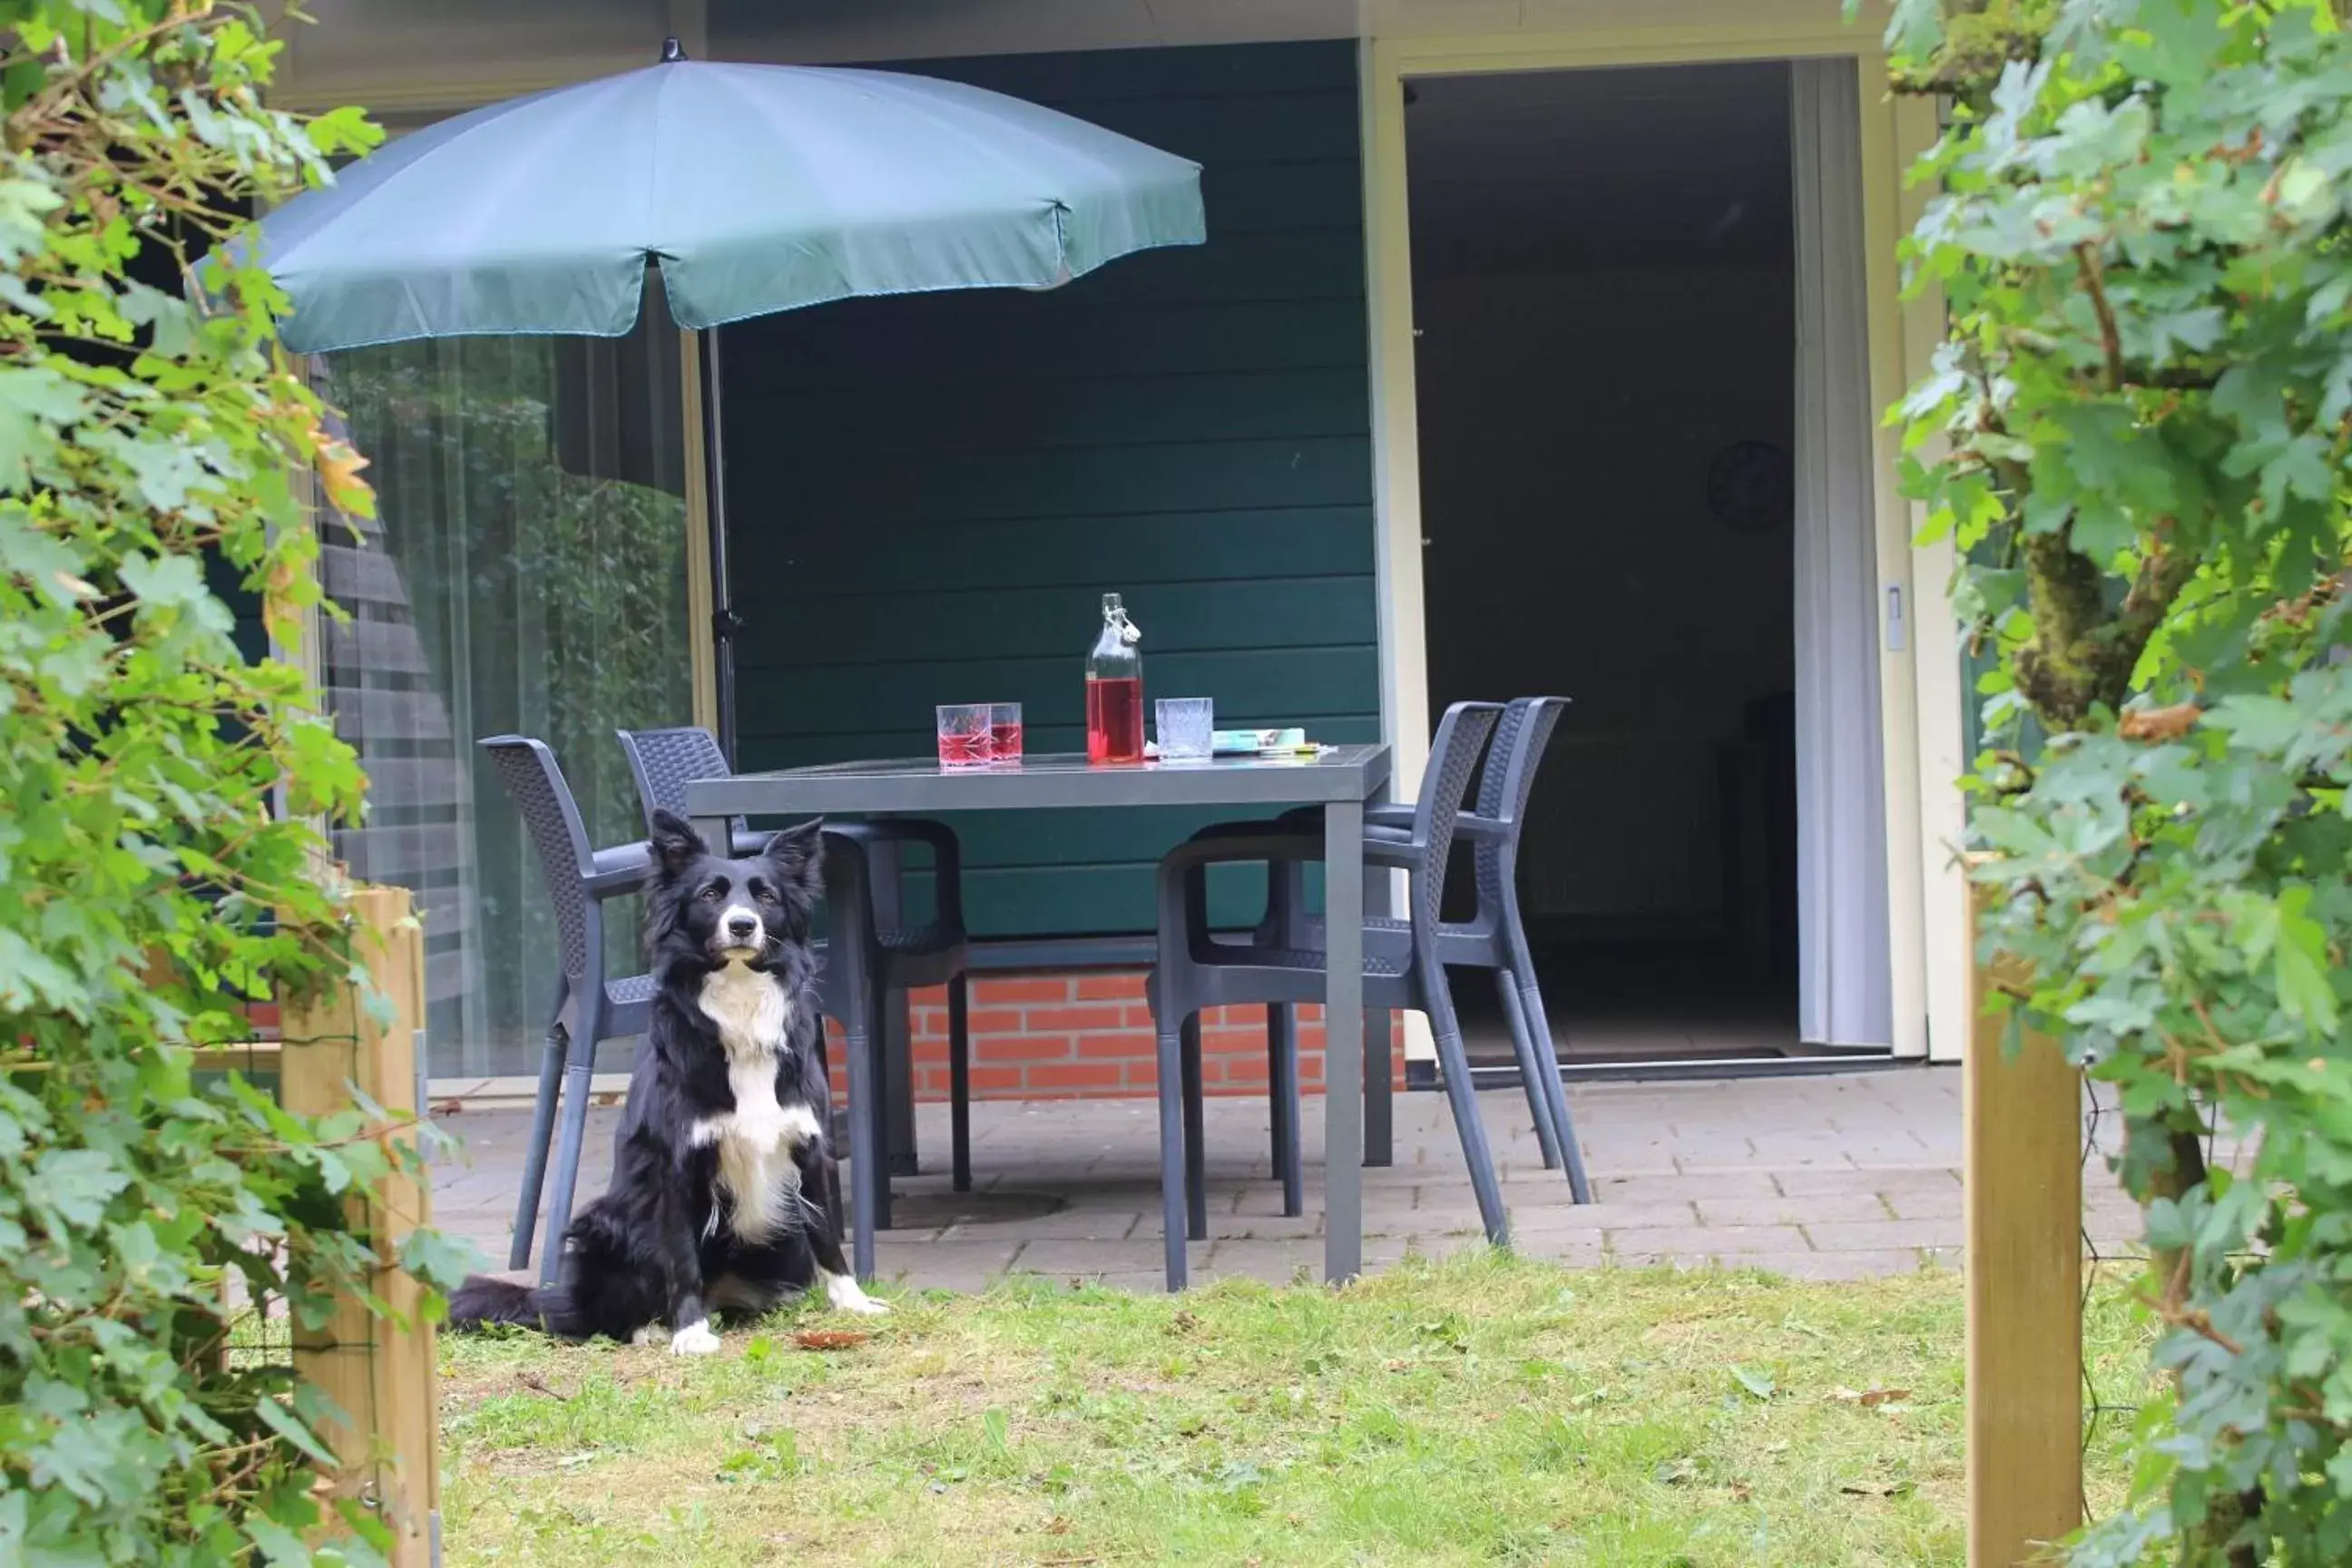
798	854
675	844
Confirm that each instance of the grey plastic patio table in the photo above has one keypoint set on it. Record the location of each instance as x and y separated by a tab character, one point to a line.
1341	780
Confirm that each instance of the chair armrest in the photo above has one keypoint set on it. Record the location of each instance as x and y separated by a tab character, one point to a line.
1310	821
1255	849
1485	828
620	870
1240	849
1385	814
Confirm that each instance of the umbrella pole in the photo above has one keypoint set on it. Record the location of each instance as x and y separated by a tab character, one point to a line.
713	620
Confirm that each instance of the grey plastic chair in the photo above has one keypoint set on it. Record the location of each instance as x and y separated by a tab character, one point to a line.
589	1007
858	987
1403	969
1493	938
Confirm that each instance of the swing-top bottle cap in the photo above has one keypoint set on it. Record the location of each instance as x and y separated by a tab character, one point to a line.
1115	613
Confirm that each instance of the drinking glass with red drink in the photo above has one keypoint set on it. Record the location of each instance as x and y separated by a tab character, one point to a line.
1004	730
967	738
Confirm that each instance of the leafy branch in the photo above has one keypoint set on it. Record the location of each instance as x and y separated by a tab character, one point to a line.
2143	406
147	445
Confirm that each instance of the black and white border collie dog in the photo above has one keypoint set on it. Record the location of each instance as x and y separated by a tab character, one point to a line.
722	1179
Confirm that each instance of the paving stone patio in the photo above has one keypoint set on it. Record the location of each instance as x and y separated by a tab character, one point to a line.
1823	1177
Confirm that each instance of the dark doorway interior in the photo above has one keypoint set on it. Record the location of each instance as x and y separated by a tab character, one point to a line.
1603	293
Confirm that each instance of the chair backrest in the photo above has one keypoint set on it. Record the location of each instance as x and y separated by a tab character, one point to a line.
664	761
566	860
1453	758
1520	737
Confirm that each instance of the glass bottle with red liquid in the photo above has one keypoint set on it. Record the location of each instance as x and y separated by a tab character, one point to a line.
1115	689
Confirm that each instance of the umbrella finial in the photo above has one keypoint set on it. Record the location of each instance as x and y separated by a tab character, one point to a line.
672	52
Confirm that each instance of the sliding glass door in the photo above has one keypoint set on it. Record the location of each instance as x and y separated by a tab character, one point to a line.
526	572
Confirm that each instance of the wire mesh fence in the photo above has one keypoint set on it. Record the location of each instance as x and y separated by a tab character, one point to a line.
2109	1401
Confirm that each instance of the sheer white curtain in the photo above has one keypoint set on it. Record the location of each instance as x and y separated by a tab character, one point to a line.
1844	995
526	572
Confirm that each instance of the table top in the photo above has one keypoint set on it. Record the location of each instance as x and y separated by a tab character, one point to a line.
908	784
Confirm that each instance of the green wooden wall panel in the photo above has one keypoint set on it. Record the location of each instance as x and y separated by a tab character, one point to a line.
1287	265
1082	552
926	496
1313	471
890	342
1239	405
1245	132
939	628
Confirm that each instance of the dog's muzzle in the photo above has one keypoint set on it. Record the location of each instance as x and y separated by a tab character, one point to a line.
739	932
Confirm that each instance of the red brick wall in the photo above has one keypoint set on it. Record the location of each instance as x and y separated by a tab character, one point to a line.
1089	1036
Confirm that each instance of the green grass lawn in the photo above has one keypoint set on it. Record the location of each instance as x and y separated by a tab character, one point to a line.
1479	1410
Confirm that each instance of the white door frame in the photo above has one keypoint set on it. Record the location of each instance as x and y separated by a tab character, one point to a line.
1920	680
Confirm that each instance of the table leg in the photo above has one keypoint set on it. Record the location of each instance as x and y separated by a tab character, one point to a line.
1343	1041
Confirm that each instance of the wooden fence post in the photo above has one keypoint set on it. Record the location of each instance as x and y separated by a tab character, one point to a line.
2023	1121
379	1372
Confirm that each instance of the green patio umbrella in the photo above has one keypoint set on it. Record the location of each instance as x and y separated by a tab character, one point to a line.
753	188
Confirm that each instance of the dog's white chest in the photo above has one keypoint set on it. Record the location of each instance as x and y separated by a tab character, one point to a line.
756	1141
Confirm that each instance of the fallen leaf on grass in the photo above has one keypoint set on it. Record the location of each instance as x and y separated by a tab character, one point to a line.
829	1339
1869	1398
1756	1382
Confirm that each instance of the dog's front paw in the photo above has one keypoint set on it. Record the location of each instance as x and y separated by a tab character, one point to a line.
844	1294
695	1339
